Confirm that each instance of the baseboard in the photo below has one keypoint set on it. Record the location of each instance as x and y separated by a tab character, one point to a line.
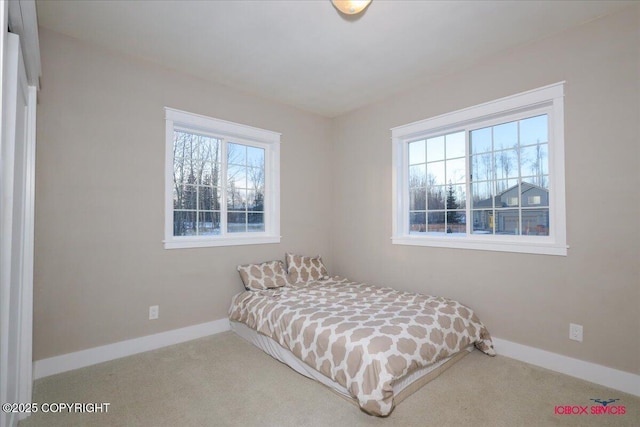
80	359
602	375
608	377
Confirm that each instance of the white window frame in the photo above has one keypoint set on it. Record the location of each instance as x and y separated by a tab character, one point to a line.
227	132
548	100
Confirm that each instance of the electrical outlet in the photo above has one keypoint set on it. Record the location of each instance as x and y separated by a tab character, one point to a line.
575	332
154	312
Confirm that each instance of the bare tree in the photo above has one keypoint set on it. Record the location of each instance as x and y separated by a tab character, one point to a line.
196	172
255	182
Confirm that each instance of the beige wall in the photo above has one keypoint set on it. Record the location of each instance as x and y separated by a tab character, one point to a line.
99	259
528	299
99	212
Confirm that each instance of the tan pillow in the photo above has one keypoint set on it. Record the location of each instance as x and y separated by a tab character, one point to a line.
303	269
258	277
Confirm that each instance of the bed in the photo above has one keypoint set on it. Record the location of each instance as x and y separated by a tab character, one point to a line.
372	345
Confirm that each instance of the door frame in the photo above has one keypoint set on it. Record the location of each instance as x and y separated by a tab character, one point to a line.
17	214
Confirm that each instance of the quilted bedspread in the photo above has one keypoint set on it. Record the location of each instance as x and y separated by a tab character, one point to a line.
362	336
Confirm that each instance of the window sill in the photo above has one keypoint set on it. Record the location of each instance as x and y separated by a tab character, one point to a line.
191	242
483	245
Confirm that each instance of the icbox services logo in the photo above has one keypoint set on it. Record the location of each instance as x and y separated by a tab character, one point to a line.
603	407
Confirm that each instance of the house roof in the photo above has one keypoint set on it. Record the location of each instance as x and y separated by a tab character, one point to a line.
526	186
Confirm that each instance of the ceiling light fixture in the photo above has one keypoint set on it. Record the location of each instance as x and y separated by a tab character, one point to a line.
350	7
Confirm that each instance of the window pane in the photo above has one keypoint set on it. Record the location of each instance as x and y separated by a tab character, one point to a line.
504	185
455	145
480	140
417	199
532	195
535	222
208	223
456	197
436	197
456	222
417	222
535	160
236	154
436	223
179	171
256	222
209	149
435	173
482	221
185	197
236	222
481	195
481	167
211	174
534	130
507	196
456	172
236	200
255	157
185	145
255	178
507	221
192	153
184	223
506	163
435	149
237	177
208	198
538	181
505	136
417	176
255	200
417	152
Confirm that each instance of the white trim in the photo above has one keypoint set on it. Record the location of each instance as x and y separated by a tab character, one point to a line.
209	124
23	21
204	242
80	359
598	374
507	105
227	132
548	100
11	222
602	375
26	323
6	208
483	245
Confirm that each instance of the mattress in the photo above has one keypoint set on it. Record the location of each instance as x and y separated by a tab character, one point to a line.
402	388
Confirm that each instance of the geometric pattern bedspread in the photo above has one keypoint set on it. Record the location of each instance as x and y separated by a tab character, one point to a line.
363	337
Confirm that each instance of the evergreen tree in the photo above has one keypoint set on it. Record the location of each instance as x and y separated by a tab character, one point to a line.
452	203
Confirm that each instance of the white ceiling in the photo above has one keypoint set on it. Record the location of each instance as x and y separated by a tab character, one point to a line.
304	53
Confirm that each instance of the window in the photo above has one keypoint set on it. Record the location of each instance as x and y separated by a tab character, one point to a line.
222	183
488	177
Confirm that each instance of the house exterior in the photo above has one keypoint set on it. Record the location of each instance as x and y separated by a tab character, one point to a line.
520	209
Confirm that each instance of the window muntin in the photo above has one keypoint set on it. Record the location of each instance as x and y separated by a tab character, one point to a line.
511	195
197	192
222	183
437	185
509	163
245	188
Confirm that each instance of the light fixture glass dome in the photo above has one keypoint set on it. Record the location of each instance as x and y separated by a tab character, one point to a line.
350	7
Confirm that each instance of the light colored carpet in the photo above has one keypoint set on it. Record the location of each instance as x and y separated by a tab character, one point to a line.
224	381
